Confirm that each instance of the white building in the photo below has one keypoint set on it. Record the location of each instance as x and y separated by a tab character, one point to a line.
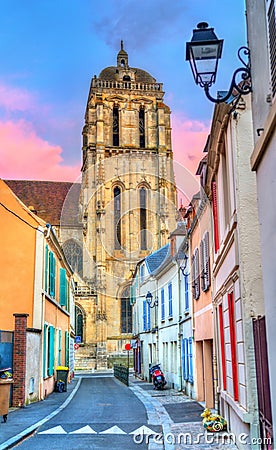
237	279
261	23
163	329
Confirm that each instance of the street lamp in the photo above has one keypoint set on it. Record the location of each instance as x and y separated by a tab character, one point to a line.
149	299
203	53
183	265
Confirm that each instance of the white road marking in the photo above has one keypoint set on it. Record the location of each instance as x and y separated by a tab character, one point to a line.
55	430
143	430
113	430
84	430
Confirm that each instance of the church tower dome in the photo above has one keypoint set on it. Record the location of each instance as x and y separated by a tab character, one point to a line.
122	72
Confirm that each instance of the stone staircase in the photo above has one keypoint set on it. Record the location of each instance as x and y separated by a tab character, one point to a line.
87	358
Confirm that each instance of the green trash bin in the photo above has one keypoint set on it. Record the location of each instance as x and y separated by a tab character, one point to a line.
62	375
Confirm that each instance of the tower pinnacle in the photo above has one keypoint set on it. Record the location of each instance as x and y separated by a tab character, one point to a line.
122	57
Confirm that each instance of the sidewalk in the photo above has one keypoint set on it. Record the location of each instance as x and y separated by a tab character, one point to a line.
24	421
181	420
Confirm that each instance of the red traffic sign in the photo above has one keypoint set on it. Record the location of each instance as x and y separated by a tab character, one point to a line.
127	346
76	346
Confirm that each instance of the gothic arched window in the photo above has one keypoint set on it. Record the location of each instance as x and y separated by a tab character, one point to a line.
116	126
143	218
126	311
79	319
142	127
117	218
73	253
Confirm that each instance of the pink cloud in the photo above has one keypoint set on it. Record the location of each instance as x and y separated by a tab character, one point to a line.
15	99
188	139
24	155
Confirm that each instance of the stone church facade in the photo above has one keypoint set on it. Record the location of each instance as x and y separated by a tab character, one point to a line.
124	208
128	194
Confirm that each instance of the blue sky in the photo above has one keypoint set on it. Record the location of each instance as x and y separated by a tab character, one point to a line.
51	49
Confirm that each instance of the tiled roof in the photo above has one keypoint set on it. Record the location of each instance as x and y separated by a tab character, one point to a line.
53	201
156	259
181	230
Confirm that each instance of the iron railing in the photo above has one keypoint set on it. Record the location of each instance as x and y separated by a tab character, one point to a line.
121	372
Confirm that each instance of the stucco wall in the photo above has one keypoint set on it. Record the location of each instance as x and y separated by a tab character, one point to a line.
33	367
266	180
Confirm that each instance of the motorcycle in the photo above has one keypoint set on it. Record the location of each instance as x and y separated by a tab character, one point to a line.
157	376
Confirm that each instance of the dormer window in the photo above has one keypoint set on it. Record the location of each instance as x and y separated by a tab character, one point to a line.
126	78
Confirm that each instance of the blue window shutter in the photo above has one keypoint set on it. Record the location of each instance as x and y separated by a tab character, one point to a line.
45	356
187	357
51	350
162	304
54	277
191	371
62	287
144	315
170	299
148	317
51	274
67	296
46	272
184	368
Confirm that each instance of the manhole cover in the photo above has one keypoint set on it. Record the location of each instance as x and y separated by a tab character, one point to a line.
184	412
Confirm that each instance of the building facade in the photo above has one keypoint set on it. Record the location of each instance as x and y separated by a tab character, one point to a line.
128	195
162	327
237	279
38	307
261	22
200	240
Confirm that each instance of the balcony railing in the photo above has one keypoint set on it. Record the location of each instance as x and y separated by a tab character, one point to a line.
97	83
84	291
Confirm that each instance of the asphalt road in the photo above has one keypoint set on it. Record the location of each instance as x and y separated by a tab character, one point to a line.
104	414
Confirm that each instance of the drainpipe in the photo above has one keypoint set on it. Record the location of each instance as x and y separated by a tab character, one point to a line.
179	332
215	364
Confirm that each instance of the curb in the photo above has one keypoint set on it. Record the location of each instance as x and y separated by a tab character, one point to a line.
20	436
156	415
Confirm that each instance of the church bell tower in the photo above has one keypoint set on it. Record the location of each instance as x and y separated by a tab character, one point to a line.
128	195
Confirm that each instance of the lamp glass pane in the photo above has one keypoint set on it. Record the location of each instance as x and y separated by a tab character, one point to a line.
205	51
204	68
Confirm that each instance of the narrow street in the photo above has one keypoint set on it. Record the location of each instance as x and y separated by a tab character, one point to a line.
99	412
104	414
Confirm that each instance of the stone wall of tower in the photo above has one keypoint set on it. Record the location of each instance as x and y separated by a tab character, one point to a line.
129	168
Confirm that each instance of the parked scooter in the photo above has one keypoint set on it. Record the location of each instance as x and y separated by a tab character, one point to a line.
158	378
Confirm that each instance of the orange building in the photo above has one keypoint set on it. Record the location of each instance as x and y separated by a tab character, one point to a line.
200	240
36	288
